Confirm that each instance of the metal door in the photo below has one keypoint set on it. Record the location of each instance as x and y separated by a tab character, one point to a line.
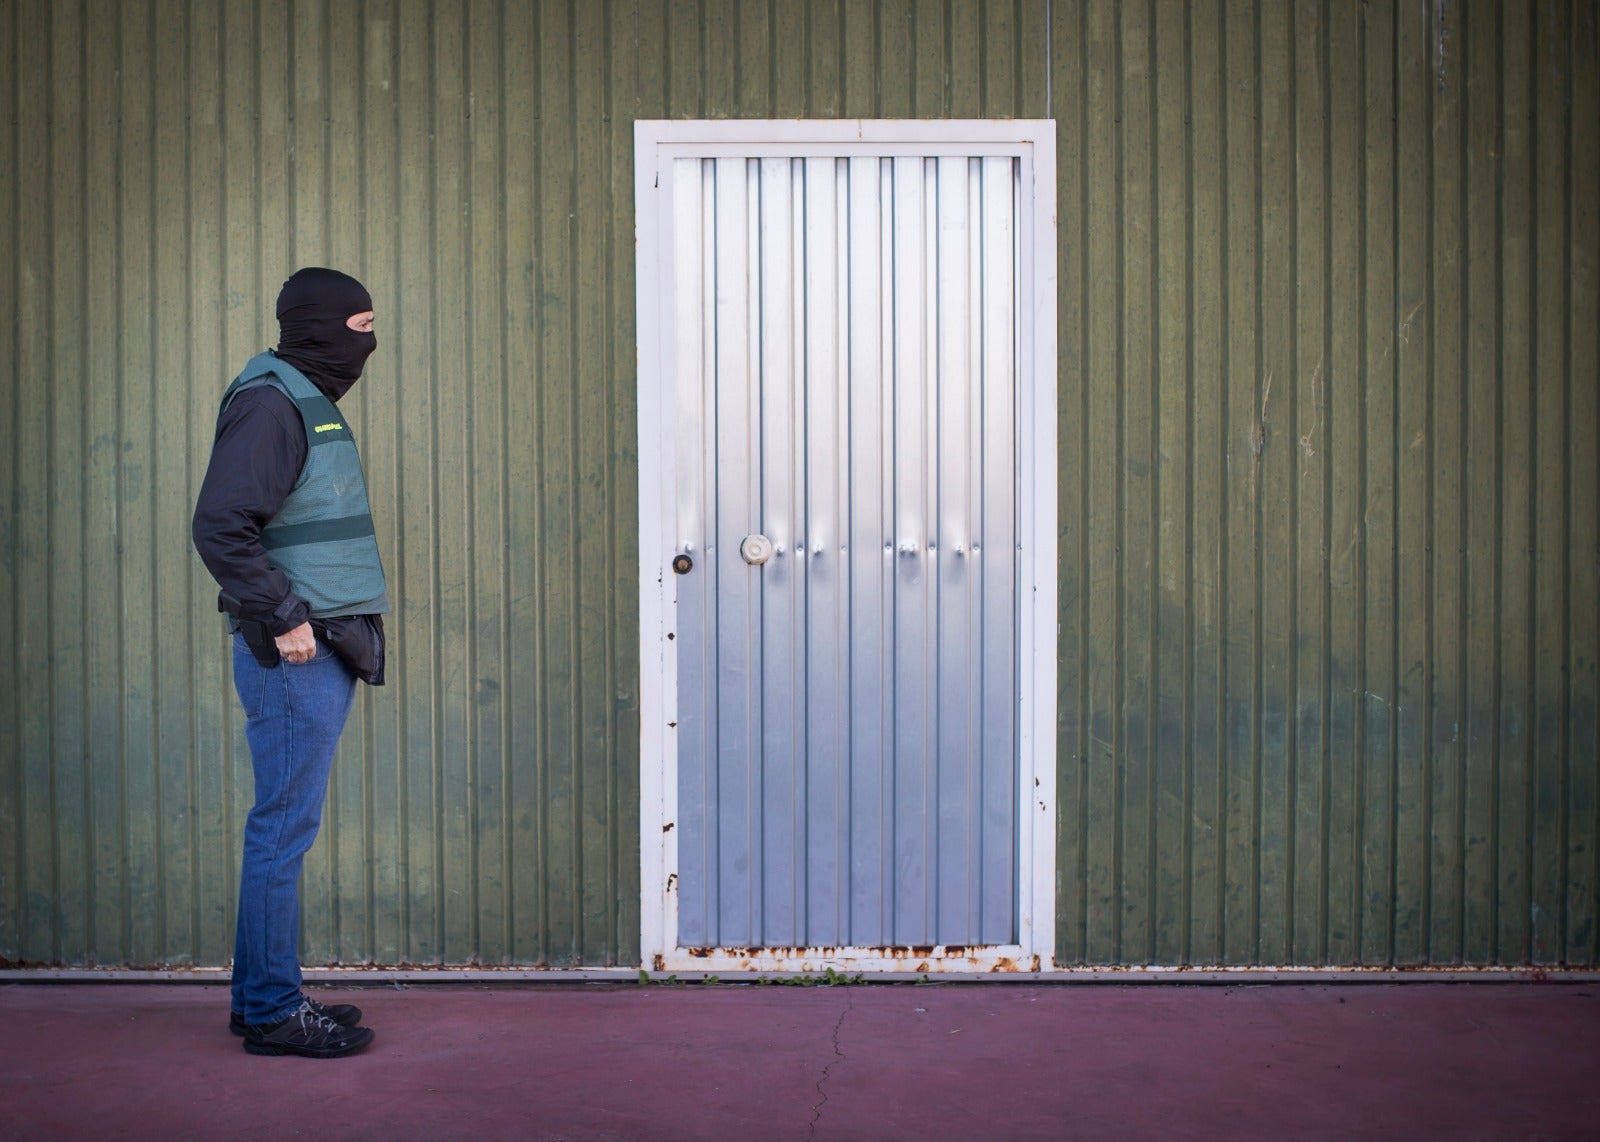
845	550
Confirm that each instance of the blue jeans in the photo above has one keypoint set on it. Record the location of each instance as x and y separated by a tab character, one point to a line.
293	717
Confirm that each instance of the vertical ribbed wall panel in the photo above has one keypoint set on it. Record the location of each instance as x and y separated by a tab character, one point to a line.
1330	503
1329	491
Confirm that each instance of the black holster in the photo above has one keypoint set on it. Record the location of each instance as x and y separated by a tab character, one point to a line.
257	635
358	640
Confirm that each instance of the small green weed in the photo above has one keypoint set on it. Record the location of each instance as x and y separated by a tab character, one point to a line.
671	980
829	978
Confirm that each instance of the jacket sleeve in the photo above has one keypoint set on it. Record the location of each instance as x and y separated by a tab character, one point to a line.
257	456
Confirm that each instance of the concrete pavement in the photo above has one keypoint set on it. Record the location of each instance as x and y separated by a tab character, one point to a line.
875	1061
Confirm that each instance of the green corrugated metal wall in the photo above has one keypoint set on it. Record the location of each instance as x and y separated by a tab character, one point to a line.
1330	502
1330	627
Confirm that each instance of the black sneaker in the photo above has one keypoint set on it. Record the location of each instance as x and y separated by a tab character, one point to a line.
344	1014
305	1033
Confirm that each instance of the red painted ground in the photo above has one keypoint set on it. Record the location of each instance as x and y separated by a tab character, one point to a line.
981	1061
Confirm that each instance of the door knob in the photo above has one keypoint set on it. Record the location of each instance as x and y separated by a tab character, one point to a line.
756	549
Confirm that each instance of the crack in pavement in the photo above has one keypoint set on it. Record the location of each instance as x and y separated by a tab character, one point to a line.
838	1056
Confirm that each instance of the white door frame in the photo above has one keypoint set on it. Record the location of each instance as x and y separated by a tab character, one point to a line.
656	144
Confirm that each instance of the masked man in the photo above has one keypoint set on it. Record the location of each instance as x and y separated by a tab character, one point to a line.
284	526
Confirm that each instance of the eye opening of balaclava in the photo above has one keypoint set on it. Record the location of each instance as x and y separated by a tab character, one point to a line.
313	307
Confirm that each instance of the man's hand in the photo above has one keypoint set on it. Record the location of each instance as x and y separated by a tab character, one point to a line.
299	645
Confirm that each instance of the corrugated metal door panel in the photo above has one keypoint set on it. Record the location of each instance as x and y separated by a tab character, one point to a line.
995	407
847	764
698	642
825	900
735	420
777	453
869	583
912	788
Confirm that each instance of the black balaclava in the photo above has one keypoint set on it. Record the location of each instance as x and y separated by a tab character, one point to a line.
313	307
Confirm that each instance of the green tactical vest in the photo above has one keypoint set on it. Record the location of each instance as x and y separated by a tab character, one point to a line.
322	537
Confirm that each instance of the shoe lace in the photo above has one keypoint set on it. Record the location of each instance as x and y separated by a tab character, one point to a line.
312	1019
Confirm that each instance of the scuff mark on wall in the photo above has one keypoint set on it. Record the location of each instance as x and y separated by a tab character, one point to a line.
1443	43
1258	436
1310	434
